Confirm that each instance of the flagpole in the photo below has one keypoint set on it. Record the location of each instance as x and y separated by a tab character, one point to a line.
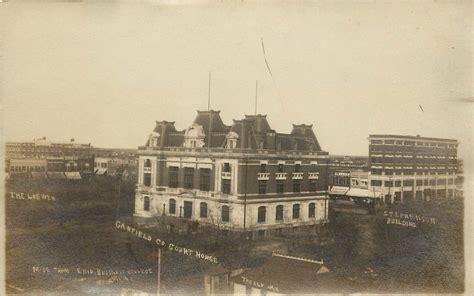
256	95
209	94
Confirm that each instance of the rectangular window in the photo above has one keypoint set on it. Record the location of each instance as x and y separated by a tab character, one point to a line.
205	179
173	177
147	179
227	167
280	186
203	210
297	168
280	168
408	183
262	187
388	184
296	211
172	207
376	182
188	178
312	185
226	186
398	183
296	186
279	213
263	168
419	182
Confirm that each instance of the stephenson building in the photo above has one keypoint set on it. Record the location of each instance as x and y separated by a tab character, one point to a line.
407	168
243	177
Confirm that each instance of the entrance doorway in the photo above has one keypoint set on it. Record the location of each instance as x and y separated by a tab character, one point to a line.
188	209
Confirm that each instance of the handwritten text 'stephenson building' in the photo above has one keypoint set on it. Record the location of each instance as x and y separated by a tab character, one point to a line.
245	176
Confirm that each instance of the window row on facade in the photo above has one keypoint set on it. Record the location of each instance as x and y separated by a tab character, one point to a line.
186	211
412	172
412	143
440	159
424	182
205	181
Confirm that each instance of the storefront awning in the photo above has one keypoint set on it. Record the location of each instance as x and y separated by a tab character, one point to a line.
359	192
38	175
73	175
101	171
56	175
338	190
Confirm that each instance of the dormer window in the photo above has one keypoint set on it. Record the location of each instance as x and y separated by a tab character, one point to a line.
231	140
194	136
153	139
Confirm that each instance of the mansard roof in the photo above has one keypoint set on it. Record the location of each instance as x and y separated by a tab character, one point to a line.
254	132
244	128
210	119
260	123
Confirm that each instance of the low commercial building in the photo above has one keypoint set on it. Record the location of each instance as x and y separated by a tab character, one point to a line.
284	275
243	177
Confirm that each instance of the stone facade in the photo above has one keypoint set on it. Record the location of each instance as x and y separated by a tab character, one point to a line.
238	184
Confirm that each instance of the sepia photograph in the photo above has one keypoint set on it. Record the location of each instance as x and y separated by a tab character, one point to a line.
236	147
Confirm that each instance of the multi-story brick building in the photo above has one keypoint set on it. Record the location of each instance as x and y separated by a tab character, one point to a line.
44	149
42	155
245	176
407	168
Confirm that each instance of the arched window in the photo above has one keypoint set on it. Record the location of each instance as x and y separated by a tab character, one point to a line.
203	210
312	210
262	214
225	214
296	211
172	207
146	203
279	213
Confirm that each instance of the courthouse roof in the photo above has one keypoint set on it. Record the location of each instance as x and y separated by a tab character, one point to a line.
254	132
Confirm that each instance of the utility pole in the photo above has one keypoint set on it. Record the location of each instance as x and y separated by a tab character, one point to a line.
245	196
118	198
158	283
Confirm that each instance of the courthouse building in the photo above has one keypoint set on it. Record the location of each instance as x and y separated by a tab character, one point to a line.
407	168
244	176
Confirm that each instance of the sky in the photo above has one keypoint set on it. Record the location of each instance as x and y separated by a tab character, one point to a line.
102	72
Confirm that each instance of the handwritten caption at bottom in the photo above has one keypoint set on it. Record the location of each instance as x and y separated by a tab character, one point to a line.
89	271
163	244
